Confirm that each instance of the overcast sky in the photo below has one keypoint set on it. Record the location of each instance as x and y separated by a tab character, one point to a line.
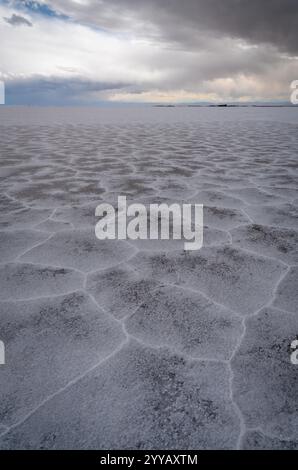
95	51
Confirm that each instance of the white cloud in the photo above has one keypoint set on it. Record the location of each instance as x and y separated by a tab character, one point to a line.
51	46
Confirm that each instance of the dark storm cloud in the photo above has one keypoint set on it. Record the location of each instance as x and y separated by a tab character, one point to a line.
272	21
17	20
256	21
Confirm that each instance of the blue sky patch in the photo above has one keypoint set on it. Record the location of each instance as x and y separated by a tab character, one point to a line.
30	6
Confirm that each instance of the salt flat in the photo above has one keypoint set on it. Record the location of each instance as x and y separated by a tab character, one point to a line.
138	344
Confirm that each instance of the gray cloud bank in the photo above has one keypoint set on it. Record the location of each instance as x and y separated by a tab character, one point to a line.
185	22
55	91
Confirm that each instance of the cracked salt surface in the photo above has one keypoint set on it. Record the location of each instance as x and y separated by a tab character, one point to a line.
122	344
